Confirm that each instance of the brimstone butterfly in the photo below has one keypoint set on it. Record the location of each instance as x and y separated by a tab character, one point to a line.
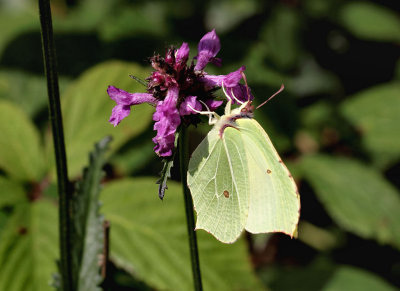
238	181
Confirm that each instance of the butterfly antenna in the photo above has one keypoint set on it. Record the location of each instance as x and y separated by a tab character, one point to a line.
247	87
233	95
276	93
236	99
138	80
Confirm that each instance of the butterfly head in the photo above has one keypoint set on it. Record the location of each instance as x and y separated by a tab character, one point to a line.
246	110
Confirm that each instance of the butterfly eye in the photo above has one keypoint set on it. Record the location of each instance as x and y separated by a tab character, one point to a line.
243	110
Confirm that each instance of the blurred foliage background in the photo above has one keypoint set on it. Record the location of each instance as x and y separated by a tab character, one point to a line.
337	127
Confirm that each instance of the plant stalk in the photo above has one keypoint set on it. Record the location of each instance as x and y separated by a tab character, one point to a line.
55	116
194	253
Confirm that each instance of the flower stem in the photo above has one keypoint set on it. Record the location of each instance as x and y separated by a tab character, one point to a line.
194	253
49	56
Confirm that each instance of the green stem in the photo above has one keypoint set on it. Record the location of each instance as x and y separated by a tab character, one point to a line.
194	253
50	64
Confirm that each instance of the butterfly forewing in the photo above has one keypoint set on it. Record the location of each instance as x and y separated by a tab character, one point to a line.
218	180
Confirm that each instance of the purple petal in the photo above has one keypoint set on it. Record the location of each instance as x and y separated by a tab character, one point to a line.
119	112
208	48
213	104
240	92
217	61
167	121
122	97
181	56
186	110
124	101
230	80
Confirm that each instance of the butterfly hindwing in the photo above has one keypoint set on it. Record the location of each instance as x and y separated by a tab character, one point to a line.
274	201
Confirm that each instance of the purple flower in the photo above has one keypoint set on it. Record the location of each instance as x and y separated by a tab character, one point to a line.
167	121
179	91
124	102
190	101
181	57
231	85
208	48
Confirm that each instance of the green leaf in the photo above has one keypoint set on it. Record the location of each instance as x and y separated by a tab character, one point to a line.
143	18
256	69
164	176
225	15
375	113
20	154
29	247
149	240
123	21
357	197
86	16
27	90
289	277
281	36
370	21
311	80
87	108
135	158
166	170
351	278
316	237
15	85
11	193
87	227
15	21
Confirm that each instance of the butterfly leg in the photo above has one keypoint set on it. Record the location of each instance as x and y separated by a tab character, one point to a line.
209	113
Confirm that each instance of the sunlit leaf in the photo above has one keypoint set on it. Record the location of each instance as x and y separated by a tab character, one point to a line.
356	196
351	278
29	248
20	154
27	90
375	113
149	240
370	21
87	108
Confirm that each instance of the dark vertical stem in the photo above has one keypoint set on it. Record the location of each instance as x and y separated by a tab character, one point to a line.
55	116
106	249
194	253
